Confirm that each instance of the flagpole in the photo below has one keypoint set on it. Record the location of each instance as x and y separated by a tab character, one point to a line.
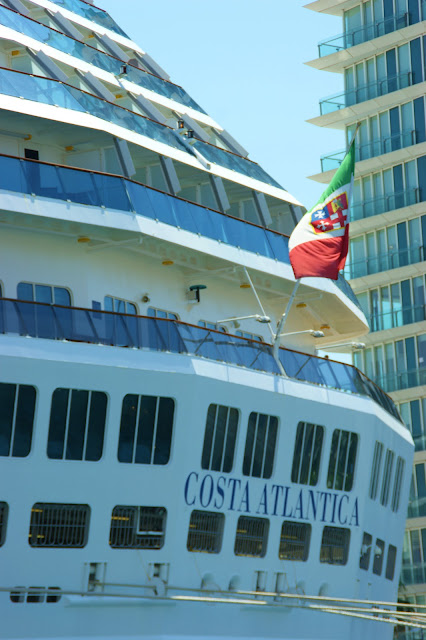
283	320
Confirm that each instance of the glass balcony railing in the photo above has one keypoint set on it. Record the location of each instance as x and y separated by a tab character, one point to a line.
384	262
365	92
382	204
53	92
397	318
409	634
372	149
363	34
416	506
402	380
82	51
55	322
413	574
90	12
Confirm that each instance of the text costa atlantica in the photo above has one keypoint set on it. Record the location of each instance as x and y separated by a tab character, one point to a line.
232	494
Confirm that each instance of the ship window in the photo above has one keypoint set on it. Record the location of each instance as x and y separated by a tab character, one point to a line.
387	476
17	595
137	527
249	336
252	537
146	429
379	552
119	306
43	293
399	474
335	545
294	541
364	559
376	468
59	525
341	467
153	312
214	326
260	445
307	453
219	438
35	594
390	563
31	154
17	404
205	531
77	425
4	512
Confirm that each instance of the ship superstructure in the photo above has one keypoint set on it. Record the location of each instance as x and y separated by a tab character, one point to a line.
164	475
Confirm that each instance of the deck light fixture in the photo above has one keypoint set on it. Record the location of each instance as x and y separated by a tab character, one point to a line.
194	292
256	316
313	332
180	124
353	346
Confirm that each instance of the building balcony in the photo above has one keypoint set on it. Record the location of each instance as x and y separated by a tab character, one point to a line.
92	13
398	318
372	149
417	506
365	92
384	261
385	203
413	574
402	380
365	33
71	324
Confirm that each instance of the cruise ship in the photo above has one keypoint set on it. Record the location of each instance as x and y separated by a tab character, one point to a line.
166	472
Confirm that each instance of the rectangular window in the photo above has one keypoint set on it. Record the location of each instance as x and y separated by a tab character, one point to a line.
379	552
219	438
364	558
43	293
335	545
59	525
252	537
153	312
307	453
17	404
341	467
294	541
4	512
146	429
119	306
260	445
375	470
390	563
387	477
205	531
137	527
399	475
77	425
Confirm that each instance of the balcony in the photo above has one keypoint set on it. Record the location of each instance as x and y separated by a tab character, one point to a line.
364	33
399	318
417	506
404	380
384	261
365	92
413	574
59	94
86	53
372	149
54	322
92	13
383	204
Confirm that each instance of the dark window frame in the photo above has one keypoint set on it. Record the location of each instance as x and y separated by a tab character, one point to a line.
260	443
213	446
202	540
249	542
295	545
60	535
131	536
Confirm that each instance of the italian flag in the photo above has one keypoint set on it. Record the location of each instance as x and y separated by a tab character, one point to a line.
319	242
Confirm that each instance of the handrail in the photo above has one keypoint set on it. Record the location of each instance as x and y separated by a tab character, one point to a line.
385	261
396	317
77	324
383	203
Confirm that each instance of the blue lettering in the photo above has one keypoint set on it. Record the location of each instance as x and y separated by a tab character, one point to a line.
220	491
245	500
187	487
326	496
263	502
233	482
210	491
339	511
278	489
355	514
334	508
285	514
313	502
298	511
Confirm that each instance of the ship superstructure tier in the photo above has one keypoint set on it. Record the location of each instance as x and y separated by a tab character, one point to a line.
165	472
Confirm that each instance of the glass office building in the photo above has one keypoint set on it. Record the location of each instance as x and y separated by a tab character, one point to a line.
381	54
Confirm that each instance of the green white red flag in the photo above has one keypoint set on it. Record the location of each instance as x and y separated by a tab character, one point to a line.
320	241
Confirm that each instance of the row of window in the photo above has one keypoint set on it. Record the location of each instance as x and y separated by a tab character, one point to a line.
35	594
374	11
390	472
413	414
417	504
67	526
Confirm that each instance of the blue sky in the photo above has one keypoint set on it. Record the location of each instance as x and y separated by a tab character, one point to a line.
243	62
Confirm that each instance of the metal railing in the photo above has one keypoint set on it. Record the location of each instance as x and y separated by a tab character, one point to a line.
92	13
372	149
54	322
397	381
365	92
384	262
413	573
396	318
384	203
363	34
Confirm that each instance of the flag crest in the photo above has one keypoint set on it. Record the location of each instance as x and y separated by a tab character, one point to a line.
319	243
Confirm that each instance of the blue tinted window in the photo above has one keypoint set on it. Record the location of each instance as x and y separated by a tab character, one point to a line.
17	404
416	61
419	119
